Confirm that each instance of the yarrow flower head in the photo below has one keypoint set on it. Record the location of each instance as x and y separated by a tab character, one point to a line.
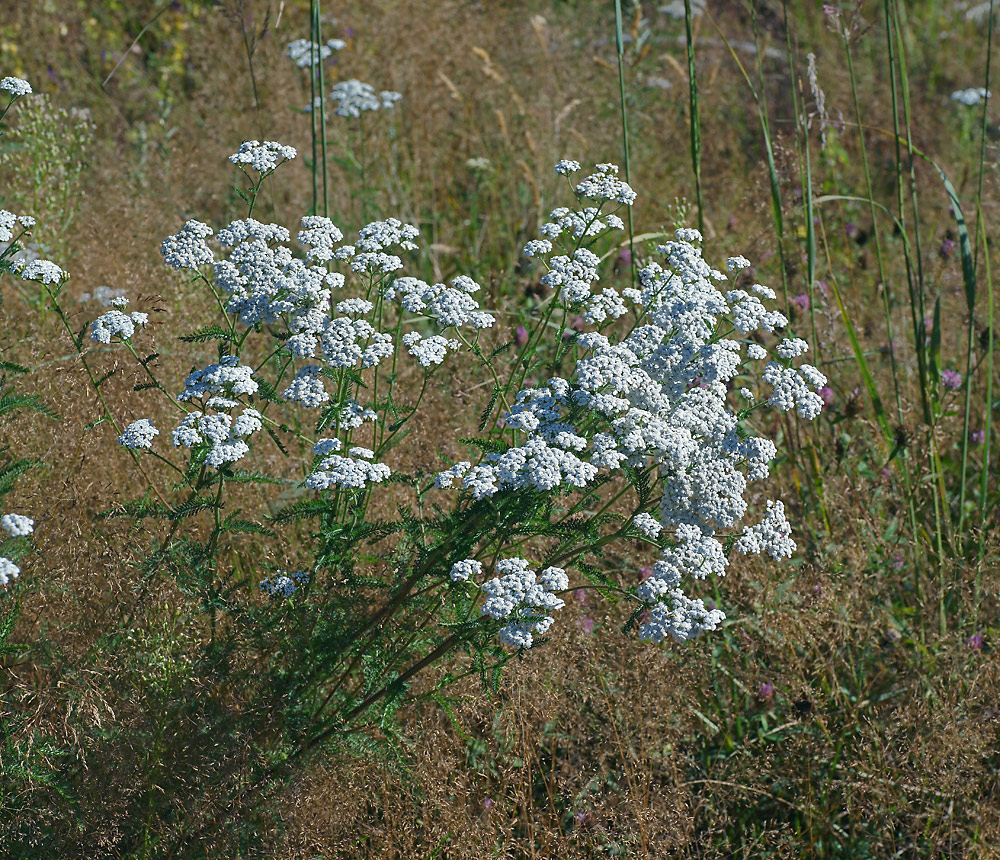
8	571
17	87
138	434
305	53
115	323
971	96
283	584
42	271
9	222
17	525
525	598
262	157
354	97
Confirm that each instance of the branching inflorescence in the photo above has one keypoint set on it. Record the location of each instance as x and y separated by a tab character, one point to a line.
647	401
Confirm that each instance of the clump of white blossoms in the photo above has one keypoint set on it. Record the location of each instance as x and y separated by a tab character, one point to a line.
16	87
355	97
263	157
305	53
9	224
971	96
17	525
138	434
653	400
116	323
283	584
525	598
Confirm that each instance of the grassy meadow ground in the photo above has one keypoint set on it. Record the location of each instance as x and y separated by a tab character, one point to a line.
849	708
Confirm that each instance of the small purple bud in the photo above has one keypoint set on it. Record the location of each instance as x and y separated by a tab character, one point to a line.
826	395
978	437
645	572
897	562
851	229
928	324
947	249
765	692
975	642
520	335
951	379
487	803
577	324
586	624
625	257
802	300
581	597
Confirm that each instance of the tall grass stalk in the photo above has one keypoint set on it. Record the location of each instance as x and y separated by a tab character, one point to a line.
970	343
695	117
772	170
620	44
985	478
320	104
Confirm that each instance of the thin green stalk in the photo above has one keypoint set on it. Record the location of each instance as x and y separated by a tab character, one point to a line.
694	117
621	86
985	479
772	169
970	344
318	39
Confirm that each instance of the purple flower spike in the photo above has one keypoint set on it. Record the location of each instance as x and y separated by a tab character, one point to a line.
975	642
951	379
765	692
520	335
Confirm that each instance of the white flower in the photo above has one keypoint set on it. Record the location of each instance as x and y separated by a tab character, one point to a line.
567	167
138	434
43	271
17	525
735	264
462	570
971	96
307	388
605	185
791	347
284	584
355	471
115	323
446	478
305	53
518	594
262	157
354	97
756	352
772	535
647	525
8	571
429	351
228	377
188	249
16	87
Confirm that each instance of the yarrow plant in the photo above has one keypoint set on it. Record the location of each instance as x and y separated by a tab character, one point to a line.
327	347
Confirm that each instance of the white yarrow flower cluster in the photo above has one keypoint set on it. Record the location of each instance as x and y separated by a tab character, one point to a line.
262	157
17	87
283	584
305	53
138	434
355	471
9	222
8	571
971	96
354	97
41	271
523	597
17	525
116	323
655	400
464	570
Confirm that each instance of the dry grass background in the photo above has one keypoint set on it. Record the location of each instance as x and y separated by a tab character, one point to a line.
881	739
